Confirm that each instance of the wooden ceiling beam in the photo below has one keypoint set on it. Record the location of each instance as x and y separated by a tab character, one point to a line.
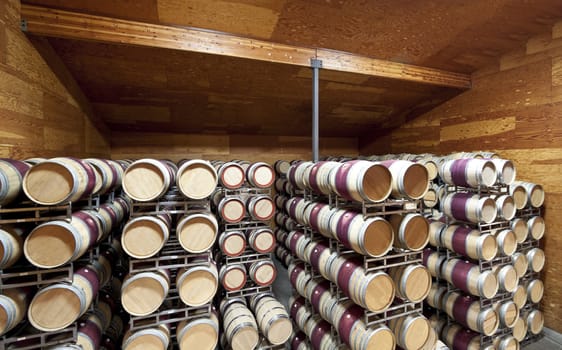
50	22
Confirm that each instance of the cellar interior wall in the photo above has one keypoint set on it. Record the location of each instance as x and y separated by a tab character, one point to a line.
40	116
515	109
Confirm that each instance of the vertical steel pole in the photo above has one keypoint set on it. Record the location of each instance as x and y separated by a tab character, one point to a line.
316	65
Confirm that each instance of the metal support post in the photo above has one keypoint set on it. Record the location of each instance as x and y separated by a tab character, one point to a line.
316	64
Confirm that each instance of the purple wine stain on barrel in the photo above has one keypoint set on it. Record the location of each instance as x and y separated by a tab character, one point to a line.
297	304
293	207
295	274
348	319
90	222
312	177
111	212
298	340
460	309
91	276
92	331
343	227
459	238
341	178
458	205
21	167
314	216
344	274
90	174
463	339
458	174
315	255
294	240
459	275
318	333
317	294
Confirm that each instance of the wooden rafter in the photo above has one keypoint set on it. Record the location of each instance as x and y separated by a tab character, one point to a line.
74	25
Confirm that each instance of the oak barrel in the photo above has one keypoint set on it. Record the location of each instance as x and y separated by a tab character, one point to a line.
232	276
232	243
260	207
143	293
362	181
508	312
520	263
273	319
412	282
409	179
11	244
519	194
148	179
505	170
469	242
536	259
263	272
319	177
519	296
199	333
12	173
460	338
260	175
519	329
240	327
232	209
89	332
197	285
13	306
262	240
535	290
144	236
468	207
411	331
466	311
411	231
534	193
468	278
197	231
371	237
536	227
468	172
153	338
507	242
534	319
506	206
519	227
109	175
507	277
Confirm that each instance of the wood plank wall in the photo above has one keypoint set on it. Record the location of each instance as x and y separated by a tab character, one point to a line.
515	109
39	117
128	145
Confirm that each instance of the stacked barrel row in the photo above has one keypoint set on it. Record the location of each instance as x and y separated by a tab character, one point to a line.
173	277
484	256
44	250
341	246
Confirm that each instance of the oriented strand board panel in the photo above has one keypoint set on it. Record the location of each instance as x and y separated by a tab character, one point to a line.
134	145
514	109
39	117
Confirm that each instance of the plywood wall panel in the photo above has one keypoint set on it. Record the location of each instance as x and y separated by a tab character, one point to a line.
131	145
515	110
39	116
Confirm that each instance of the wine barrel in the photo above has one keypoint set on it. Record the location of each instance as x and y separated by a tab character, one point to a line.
519	296
143	293
430	199
108	174
378	337
232	209
519	227
430	165
58	242
467	207
13	305
534	193
318	331
469	172
231	175
263	272
505	170
411	231
434	262
89	332
468	278
508	312
261	207
435	296
519	194
371	237
412	282
469	242
299	341
233	276
262	240
57	306
520	263
105	309
466	311
11	244
409	179
273	319
507	242
506	206
436	228
199	333
534	319
535	290
373	291
437	322
319	177
536	259
197	285
507	277
196	179
59	180
108	217
12	173
299	174
281	167
232	243
260	175
411	331
197	231
148	179
144	236
361	181
153	338
320	256
459	338
536	227
240	327
519	329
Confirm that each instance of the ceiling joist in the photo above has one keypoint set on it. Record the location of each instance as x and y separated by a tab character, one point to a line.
74	25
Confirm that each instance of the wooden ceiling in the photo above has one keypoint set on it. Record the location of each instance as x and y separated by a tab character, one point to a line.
135	88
